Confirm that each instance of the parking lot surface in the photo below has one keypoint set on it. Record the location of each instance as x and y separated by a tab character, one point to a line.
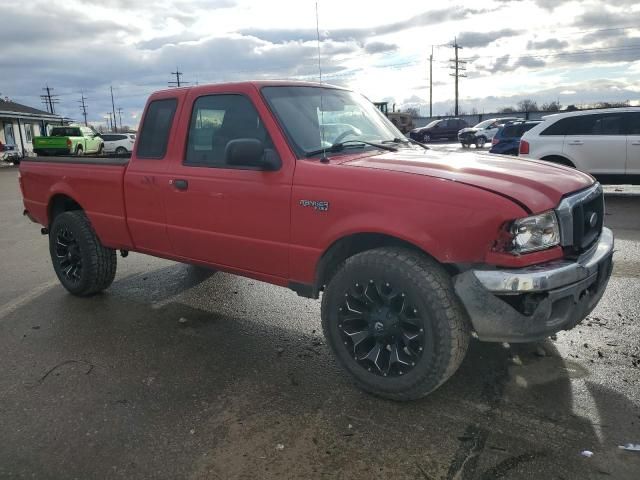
179	372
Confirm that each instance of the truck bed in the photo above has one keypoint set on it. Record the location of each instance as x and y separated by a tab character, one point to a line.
95	183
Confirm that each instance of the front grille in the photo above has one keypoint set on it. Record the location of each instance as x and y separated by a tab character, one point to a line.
581	216
587	222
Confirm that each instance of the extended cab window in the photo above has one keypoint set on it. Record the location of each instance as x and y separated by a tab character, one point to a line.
215	121
154	134
66	132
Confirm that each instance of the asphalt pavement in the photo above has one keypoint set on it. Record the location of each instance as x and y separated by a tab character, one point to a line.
179	372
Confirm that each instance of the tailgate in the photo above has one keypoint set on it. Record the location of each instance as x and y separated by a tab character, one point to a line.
50	142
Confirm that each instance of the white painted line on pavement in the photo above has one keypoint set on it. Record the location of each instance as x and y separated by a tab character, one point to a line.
25	298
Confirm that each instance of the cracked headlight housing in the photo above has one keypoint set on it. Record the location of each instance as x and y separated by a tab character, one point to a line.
534	233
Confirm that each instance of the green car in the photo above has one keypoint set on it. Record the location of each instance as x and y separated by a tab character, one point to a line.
69	140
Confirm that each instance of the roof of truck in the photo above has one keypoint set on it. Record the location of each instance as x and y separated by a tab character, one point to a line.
256	83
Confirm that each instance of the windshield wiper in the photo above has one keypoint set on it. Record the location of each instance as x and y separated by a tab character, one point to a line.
336	147
406	140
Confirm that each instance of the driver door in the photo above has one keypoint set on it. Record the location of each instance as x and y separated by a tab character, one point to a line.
222	214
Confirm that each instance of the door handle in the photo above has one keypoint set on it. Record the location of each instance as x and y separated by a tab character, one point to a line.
179	183
576	142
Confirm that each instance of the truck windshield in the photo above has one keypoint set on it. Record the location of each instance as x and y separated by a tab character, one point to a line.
65	132
314	118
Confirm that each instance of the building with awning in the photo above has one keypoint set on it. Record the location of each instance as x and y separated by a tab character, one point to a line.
20	123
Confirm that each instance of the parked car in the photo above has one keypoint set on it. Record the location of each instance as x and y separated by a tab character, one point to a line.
9	153
69	140
414	249
603	142
507	139
446	128
118	143
483	132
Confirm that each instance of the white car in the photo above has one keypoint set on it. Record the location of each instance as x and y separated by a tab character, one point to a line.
119	143
600	142
483	132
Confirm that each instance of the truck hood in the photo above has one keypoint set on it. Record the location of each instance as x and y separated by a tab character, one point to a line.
469	130
536	185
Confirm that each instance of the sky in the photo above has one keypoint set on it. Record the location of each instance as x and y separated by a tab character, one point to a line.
545	50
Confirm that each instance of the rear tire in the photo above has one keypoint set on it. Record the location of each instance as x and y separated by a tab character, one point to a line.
417	331
79	152
121	151
83	266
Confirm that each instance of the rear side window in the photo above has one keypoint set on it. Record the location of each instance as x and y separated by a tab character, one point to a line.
511	131
597	124
66	132
633	121
154	134
609	124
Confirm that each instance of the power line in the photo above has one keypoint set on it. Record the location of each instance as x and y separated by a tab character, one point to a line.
177	82
113	108
49	100
457	66
431	83
83	107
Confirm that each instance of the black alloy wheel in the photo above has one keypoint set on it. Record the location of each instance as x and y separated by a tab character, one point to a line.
68	256
382	328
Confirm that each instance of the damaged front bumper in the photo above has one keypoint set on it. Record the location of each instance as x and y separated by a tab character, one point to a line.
532	303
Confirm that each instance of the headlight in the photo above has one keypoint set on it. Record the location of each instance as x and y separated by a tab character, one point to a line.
535	233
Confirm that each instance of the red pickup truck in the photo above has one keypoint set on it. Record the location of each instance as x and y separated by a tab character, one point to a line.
310	187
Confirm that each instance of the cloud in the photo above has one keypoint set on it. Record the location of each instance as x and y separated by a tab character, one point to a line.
46	25
380	47
551	43
482	39
432	17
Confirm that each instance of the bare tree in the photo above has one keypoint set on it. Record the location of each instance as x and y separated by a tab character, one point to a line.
550	107
527	105
506	110
413	111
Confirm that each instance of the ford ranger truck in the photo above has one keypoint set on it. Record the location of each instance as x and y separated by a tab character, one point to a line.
413	250
71	140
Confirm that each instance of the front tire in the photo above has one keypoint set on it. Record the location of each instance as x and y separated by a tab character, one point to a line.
394	323
83	266
426	138
480	141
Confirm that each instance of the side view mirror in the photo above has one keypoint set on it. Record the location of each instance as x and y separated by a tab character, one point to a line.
250	152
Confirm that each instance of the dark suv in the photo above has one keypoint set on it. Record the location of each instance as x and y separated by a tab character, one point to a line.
446	128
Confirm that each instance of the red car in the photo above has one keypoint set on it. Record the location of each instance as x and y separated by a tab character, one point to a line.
310	187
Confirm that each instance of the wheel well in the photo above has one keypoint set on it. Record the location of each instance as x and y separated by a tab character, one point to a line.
348	246
60	204
558	159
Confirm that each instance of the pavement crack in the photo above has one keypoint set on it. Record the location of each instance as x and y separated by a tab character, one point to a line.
66	362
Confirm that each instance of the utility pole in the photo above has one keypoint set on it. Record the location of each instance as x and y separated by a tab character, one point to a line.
120	117
110	124
113	107
49	99
458	66
431	83
177	82
83	107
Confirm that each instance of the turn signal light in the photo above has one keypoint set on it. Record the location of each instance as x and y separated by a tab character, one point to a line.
69	142
524	147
